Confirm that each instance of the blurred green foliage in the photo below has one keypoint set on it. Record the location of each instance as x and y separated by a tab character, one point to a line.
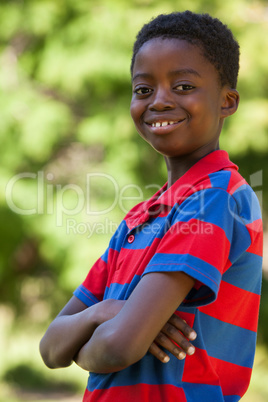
64	99
25	377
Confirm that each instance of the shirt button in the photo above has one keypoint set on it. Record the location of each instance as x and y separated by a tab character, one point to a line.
131	238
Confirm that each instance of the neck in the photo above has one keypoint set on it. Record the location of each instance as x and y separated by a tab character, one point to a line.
178	166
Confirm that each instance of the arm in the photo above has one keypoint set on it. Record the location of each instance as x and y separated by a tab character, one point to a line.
72	328
127	337
75	324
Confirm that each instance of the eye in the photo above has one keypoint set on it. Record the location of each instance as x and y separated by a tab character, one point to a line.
184	87
142	91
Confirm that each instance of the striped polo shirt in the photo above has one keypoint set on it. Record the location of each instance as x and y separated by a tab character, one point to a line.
208	225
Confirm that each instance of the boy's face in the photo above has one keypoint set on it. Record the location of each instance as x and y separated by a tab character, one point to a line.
178	105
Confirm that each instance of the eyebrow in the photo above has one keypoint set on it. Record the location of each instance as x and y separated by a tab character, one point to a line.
183	71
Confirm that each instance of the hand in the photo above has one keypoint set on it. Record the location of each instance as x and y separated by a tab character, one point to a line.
177	330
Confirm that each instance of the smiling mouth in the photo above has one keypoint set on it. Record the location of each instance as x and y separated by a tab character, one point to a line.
164	127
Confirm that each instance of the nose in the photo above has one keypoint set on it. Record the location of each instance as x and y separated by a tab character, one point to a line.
162	100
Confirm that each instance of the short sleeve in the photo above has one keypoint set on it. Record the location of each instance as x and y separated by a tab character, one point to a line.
203	233
92	290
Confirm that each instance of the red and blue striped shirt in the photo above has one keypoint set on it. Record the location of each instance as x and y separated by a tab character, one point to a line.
208	225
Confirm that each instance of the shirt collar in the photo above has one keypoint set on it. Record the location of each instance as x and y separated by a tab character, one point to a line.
195	179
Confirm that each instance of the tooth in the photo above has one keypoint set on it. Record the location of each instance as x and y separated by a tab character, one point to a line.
164	123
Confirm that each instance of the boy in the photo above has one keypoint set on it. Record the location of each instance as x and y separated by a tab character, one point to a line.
193	248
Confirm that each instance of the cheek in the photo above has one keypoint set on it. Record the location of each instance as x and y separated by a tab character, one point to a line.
195	104
132	109
204	110
135	112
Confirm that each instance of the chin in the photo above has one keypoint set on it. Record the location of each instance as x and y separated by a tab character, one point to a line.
168	154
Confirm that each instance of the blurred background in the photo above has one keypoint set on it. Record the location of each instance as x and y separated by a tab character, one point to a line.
72	164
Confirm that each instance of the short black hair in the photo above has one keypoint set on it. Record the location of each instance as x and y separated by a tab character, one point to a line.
216	40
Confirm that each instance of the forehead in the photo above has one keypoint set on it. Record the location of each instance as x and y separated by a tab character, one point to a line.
171	54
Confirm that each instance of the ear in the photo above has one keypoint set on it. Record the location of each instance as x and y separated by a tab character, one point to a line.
230	102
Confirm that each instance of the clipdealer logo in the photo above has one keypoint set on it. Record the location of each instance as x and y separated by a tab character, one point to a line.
67	203
48	198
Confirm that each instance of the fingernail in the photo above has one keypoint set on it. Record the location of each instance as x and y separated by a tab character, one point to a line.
182	355
166	359
191	350
192	336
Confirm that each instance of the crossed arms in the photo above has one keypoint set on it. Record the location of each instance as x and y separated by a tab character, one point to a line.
113	334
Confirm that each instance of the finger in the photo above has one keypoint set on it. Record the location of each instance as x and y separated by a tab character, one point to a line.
158	353
172	333
165	341
182	325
